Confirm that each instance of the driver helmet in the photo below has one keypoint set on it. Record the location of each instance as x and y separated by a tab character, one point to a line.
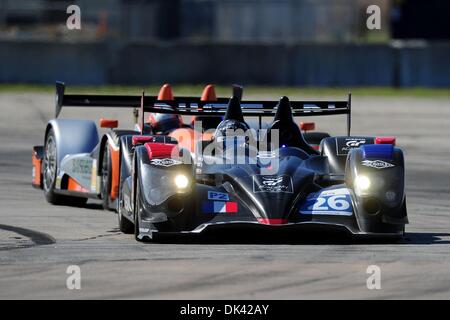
231	130
164	123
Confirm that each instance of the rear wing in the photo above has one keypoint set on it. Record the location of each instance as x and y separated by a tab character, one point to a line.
193	106
121	101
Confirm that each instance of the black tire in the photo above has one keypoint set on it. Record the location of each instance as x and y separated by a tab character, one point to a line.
406	215
49	171
137	208
125	225
106	178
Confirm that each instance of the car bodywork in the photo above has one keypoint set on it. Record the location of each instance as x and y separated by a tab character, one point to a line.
309	190
80	151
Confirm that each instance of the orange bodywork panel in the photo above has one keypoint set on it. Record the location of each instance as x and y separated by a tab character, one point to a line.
186	137
109	123
72	185
209	93
165	93
36	170
115	172
307	126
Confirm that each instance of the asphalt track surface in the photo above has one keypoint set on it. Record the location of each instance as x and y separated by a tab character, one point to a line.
39	241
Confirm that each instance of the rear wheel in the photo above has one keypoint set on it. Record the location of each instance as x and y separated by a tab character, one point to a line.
49	172
106	178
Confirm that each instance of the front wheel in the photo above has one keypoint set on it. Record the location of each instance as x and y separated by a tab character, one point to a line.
125	225
137	209
49	172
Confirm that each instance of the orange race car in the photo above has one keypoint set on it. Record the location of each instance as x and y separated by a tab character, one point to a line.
76	163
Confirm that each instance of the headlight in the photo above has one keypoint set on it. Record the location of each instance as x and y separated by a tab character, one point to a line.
181	181
362	183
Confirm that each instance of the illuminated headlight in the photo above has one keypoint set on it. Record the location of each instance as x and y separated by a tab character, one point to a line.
181	181
362	183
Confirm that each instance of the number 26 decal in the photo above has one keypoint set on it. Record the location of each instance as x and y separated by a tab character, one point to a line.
320	204
334	203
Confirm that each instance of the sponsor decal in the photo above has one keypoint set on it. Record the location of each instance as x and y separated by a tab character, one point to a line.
213	195
390	196
343	146
271	183
219	207
336	202
94	176
166	162
377	164
354	143
82	166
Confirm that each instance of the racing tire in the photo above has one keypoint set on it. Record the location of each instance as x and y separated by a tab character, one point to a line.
125	225
137	208
49	172
106	178
403	236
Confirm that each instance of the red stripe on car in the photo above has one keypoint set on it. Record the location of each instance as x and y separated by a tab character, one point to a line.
272	221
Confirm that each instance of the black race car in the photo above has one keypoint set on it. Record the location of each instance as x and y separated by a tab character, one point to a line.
273	180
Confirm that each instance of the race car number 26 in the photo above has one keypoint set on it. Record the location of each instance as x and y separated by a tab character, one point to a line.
330	202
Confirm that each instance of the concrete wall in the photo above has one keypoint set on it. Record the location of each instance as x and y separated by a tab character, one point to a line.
342	65
423	65
264	64
45	62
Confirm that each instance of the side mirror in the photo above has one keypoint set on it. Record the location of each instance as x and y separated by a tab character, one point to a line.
109	123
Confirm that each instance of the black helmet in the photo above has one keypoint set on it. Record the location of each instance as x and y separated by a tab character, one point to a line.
164	123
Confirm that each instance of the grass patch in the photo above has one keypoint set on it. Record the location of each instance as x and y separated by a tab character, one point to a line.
225	90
